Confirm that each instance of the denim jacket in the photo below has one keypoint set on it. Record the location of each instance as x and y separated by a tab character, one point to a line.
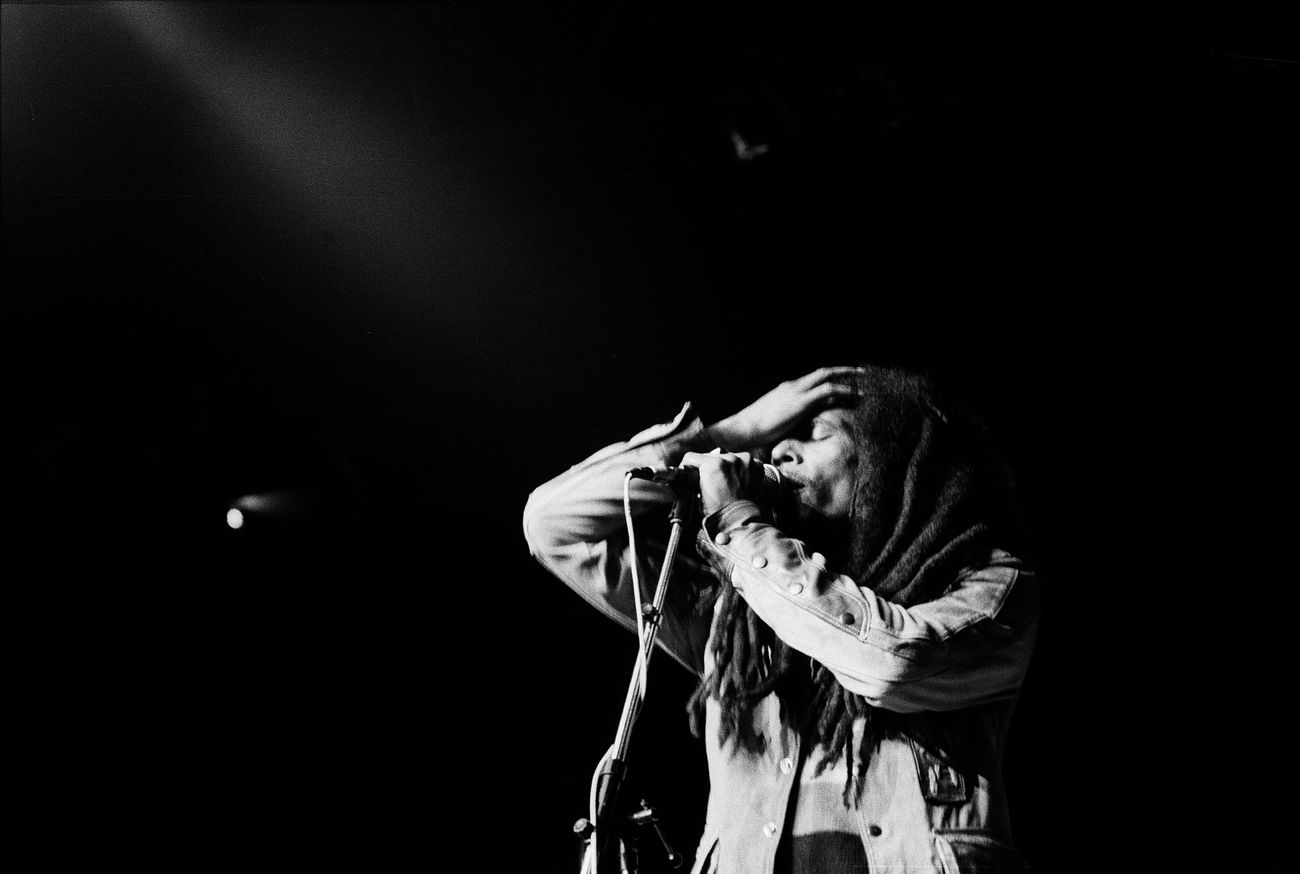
967	651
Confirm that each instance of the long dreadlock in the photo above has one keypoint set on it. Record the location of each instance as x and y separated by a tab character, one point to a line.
929	496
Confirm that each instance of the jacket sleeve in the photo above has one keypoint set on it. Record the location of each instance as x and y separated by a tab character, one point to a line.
968	647
575	527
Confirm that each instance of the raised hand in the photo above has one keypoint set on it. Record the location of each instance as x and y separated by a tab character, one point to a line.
775	414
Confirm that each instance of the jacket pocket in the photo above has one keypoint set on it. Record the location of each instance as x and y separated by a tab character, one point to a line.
941	782
976	851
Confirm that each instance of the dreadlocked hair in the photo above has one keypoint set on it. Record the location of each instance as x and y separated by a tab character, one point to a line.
929	496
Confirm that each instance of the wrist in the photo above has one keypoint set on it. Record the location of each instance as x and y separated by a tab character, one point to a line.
727	435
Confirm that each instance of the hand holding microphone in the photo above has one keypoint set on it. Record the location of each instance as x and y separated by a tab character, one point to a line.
722	477
728	476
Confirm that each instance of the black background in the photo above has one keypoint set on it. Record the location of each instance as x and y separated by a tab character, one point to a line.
413	260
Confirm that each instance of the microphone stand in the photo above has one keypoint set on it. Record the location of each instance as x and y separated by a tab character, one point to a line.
614	843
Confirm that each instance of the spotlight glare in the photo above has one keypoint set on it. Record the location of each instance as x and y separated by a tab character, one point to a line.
235	518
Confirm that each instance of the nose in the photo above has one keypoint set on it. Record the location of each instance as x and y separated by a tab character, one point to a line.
788	451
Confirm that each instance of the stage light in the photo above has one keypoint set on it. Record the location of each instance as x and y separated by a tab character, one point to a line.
280	509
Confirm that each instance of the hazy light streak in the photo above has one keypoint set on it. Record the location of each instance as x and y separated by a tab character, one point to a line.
346	172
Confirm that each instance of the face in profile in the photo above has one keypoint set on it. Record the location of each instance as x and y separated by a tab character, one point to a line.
821	462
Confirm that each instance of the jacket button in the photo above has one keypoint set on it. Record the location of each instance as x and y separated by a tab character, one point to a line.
787	765
770	830
759	561
848	618
722	539
873	830
794	588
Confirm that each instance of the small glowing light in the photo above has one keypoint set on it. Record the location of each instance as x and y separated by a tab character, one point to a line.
234	518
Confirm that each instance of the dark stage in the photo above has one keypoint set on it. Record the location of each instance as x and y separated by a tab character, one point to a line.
395	265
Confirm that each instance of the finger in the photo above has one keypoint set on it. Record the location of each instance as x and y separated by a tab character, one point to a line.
830	394
692	459
712	460
826	374
730	461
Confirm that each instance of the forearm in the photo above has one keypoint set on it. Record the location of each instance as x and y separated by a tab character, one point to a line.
584	504
969	647
731	435
575	527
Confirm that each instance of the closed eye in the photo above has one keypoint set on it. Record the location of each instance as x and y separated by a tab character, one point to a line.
820	430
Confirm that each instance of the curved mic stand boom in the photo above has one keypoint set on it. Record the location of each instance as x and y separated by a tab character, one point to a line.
609	847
